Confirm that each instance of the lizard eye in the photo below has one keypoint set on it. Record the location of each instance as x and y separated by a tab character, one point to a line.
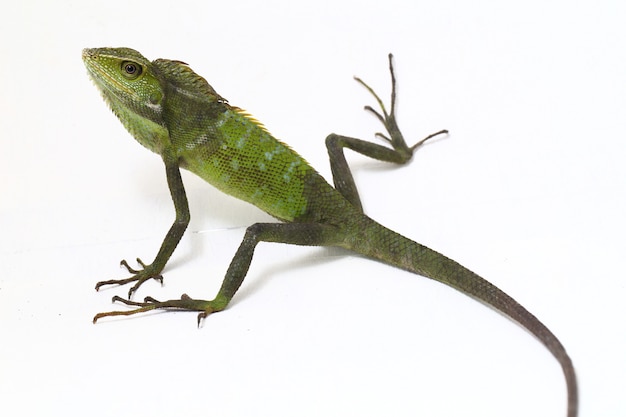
131	69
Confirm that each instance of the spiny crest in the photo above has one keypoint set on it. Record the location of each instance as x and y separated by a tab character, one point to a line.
250	118
180	75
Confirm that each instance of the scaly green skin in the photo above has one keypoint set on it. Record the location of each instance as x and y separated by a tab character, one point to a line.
174	112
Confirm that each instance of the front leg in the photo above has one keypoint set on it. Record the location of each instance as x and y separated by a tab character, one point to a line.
400	154
153	271
306	234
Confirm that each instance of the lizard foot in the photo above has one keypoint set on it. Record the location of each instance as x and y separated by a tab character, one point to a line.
388	119
139	276
185	303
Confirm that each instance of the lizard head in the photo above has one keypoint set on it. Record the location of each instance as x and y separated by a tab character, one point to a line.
152	98
131	87
125	78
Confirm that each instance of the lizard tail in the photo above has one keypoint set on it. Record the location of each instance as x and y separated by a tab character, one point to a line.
376	241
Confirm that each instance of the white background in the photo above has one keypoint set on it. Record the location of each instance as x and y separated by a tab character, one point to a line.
528	191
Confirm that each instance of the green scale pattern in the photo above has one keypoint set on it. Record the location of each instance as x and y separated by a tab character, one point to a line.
245	161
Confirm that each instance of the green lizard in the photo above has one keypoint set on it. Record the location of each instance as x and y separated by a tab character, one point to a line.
175	113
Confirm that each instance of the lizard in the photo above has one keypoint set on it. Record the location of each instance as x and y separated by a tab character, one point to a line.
175	113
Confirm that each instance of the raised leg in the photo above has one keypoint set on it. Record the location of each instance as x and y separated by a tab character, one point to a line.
400	153
305	234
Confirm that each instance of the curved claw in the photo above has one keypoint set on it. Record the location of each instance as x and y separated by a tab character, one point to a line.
384	117
185	303
388	119
201	317
141	280
375	113
432	135
139	276
382	136
129	268
143	307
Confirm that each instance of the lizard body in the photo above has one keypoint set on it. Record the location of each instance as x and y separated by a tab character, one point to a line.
175	113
